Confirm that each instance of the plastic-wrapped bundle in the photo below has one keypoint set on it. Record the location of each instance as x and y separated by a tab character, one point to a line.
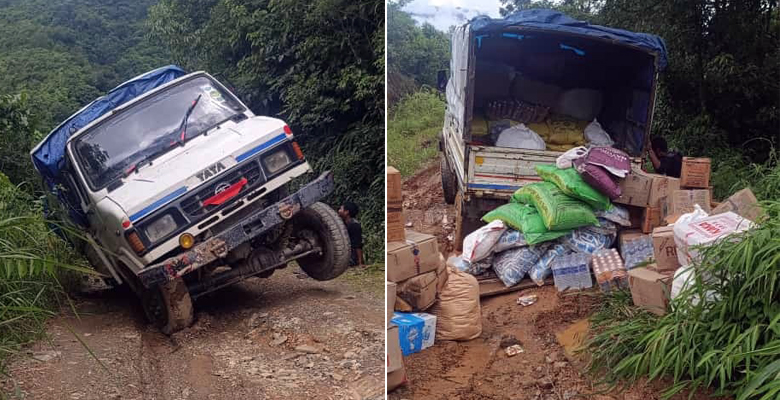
543	269
510	239
606	227
572	271
512	265
584	241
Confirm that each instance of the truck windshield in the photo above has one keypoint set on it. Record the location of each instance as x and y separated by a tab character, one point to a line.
151	127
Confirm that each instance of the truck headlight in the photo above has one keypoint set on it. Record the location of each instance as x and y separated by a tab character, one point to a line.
160	228
276	161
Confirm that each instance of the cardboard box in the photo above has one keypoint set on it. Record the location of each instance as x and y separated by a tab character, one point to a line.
418	254
742	203
635	188
429	329
395	206
410	332
635	216
419	291
401	305
661	188
651	218
695	173
396	379
649	289
395	359
395	225
664	250
390	288
683	200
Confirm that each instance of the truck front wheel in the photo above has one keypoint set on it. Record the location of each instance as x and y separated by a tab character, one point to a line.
448	182
321	221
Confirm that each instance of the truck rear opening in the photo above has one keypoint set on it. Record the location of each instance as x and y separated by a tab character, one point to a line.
526	88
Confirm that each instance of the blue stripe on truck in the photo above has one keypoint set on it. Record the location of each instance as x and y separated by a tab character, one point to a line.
494	187
253	151
159	203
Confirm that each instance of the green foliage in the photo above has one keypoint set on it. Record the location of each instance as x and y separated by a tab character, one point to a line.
19	133
415	53
730	345
319	65
413	129
64	54
34	265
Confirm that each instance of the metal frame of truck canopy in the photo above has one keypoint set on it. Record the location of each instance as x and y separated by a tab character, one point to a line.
648	45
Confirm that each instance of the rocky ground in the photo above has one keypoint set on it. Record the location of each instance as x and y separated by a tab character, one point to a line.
285	337
548	332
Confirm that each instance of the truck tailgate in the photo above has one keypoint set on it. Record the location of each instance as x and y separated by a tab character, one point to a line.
499	171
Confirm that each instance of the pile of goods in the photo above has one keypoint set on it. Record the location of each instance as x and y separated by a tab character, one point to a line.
590	202
426	302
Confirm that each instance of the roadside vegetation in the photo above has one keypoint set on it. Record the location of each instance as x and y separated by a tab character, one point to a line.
413	130
318	65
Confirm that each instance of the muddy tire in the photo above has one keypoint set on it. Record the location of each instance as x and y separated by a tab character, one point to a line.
168	307
332	236
448	182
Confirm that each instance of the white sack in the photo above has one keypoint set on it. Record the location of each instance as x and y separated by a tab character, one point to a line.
520	137
479	244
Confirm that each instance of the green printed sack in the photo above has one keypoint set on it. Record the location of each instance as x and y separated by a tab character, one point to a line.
559	211
571	183
526	219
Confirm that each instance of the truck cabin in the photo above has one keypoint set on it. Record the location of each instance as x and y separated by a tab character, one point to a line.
556	81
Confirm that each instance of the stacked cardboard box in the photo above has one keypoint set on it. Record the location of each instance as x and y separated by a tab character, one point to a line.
647	197
695	173
395	206
664	250
396	373
742	203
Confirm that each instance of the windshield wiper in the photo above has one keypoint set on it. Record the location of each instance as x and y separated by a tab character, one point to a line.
183	125
158	148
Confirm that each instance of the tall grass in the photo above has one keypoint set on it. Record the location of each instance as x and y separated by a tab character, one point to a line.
413	129
729	343
35	270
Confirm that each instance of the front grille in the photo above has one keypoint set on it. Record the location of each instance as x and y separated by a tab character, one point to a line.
193	205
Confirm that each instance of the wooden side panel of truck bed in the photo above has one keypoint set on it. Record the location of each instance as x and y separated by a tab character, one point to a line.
499	171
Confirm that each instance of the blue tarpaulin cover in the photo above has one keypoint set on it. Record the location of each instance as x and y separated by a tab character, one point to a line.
556	21
48	156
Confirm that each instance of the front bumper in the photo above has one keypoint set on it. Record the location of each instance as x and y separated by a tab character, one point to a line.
252	226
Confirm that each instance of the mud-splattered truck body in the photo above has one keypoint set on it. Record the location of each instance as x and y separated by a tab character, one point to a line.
547	54
177	189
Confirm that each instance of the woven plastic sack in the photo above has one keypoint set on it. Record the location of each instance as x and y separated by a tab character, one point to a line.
520	137
458	313
510	239
585	241
512	265
479	244
570	182
566	160
596	135
613	160
543	268
525	218
559	211
617	214
598	178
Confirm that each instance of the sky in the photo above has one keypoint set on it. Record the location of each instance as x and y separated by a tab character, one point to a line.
444	13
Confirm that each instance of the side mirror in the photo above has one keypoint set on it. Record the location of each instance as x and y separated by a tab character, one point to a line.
441	80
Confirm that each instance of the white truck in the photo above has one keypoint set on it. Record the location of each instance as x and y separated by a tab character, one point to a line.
177	189
543	58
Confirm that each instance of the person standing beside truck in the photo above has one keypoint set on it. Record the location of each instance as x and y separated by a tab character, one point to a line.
665	162
348	212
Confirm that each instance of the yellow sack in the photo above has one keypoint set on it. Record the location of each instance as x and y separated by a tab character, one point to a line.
479	126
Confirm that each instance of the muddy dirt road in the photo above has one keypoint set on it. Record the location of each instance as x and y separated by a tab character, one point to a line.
479	369
286	337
